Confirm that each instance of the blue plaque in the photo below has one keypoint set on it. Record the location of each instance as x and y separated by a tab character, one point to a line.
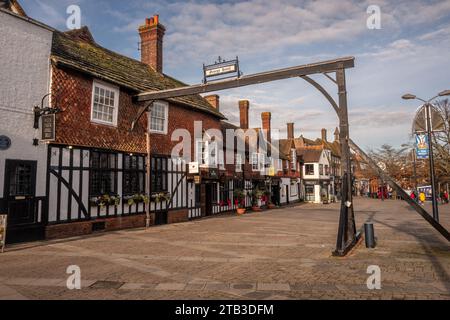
5	143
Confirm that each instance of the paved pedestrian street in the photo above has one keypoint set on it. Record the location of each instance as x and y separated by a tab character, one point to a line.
278	254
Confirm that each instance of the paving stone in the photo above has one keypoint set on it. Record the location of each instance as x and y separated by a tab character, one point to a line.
106	285
195	286
216	286
274	287
286	252
171	286
244	286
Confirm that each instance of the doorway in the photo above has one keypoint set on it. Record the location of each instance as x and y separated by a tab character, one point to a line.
276	199
21	204
210	198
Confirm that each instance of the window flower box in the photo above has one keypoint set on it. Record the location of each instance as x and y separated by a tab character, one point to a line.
105	200
136	199
160	197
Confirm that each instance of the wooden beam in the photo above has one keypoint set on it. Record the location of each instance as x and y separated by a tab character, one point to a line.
292	72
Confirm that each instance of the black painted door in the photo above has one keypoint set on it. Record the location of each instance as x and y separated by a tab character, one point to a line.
276	194
19	194
209	200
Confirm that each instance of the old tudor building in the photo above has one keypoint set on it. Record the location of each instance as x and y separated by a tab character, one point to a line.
95	168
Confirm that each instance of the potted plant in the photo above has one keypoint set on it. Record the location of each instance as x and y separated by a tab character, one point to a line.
239	201
256	196
268	196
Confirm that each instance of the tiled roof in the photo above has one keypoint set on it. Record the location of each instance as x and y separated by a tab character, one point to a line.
77	50
310	155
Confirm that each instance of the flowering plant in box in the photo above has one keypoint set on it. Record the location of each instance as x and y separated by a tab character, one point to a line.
105	200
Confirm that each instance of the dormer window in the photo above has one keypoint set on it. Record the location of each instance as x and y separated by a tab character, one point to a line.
105	103
159	117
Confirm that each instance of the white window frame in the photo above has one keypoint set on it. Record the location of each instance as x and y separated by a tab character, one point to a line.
294	159
280	165
238	162
203	159
256	156
260	160
166	117
109	87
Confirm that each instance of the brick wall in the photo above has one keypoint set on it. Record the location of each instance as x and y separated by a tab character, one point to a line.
177	216
74	126
75	229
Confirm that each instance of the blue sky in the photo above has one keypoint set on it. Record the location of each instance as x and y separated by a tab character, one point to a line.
410	53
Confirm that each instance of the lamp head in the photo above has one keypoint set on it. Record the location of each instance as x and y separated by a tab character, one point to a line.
409	97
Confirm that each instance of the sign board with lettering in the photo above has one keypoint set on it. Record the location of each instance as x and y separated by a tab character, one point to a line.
48	127
422	146
221	68
3	222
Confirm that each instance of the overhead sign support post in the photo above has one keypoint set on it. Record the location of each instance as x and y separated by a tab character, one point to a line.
347	236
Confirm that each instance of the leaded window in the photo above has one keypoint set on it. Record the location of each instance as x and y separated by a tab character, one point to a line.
103	175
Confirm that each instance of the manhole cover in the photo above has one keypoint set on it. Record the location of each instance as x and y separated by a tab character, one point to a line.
107	285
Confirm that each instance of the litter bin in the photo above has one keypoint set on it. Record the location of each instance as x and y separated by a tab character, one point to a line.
370	235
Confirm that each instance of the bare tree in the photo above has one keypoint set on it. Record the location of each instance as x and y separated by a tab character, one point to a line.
442	144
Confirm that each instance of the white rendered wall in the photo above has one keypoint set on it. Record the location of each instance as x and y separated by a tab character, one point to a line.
24	80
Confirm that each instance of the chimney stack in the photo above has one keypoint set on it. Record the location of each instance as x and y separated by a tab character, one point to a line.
214	100
290	131
244	106
324	135
337	135
266	118
152	34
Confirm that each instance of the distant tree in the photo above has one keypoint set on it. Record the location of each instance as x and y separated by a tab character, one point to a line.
442	144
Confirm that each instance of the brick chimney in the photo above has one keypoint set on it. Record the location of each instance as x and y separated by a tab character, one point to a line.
337	135
324	135
152	34
213	100
266	118
244	106
290	131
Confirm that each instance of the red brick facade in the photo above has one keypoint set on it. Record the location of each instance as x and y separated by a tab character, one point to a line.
74	126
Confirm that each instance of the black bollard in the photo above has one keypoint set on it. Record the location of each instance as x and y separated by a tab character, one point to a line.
370	235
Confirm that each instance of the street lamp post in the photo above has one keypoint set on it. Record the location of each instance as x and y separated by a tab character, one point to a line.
430	146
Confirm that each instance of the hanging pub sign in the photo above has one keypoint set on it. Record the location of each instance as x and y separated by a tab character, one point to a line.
48	127
221	70
422	146
3	220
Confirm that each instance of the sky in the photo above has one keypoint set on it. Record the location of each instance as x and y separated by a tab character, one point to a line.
410	53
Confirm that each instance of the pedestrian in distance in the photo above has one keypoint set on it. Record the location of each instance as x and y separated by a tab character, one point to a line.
422	198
